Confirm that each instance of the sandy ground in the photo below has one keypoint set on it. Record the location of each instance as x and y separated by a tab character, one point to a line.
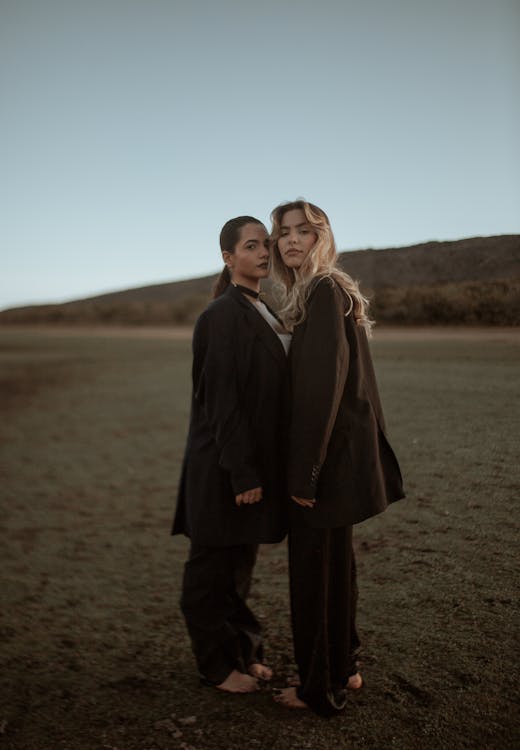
94	652
504	334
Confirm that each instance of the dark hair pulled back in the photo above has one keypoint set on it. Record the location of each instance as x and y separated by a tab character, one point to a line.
229	236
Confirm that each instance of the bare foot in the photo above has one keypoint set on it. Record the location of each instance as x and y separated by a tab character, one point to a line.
260	671
355	681
237	682
288	698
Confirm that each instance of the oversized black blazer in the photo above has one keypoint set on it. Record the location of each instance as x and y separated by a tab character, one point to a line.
339	452
237	427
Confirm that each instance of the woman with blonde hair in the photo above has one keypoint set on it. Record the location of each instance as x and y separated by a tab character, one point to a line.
341	468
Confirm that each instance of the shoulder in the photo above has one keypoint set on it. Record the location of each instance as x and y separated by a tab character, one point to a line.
323	286
326	292
223	318
218	309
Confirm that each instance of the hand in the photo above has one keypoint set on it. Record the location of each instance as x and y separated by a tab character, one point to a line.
303	501
249	497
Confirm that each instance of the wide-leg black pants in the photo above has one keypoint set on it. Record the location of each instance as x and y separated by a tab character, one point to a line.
225	635
324	592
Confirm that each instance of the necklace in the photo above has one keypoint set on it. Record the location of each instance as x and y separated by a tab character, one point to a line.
246	290
275	321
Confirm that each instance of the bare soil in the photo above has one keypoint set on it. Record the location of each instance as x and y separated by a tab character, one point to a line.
94	652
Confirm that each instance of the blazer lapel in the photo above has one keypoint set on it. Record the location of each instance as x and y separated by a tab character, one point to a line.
260	326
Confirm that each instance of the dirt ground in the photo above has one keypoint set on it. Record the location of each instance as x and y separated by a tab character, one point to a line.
94	652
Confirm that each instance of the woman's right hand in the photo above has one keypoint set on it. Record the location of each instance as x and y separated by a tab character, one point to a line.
304	502
249	497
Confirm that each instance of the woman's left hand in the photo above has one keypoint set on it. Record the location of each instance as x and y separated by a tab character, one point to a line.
249	497
303	501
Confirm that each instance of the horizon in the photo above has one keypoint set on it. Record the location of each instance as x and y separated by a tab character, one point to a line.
210	274
134	131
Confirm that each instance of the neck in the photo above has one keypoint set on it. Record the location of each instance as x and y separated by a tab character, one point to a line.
252	284
246	290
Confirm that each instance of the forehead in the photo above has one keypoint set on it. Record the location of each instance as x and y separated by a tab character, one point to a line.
293	217
252	232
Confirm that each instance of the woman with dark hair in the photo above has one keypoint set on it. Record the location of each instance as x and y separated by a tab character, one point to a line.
341	468
232	493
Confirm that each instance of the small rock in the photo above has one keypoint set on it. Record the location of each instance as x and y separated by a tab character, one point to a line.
169	726
188	721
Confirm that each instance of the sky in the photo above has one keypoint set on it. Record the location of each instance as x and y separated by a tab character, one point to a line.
132	130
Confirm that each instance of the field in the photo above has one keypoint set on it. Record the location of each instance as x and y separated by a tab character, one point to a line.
94	652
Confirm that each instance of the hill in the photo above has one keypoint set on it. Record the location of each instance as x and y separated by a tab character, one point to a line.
474	280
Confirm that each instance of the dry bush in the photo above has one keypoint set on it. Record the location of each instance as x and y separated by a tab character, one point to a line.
469	303
181	312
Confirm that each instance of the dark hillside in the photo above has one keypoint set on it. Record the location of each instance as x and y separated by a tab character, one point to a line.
475	259
473	281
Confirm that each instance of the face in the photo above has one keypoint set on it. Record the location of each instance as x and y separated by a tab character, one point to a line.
297	238
250	261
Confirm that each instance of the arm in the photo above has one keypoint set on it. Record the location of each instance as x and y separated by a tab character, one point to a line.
319	372
216	386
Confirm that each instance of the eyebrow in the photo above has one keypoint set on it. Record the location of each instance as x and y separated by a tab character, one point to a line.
303	224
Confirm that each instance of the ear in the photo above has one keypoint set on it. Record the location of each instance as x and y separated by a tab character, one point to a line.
227	257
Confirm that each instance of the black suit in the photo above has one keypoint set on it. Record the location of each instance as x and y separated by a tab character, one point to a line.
237	427
339	455
339	452
235	443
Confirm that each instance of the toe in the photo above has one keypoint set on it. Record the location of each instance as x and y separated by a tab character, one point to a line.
260	671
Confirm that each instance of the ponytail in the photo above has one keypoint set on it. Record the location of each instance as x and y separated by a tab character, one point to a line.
222	283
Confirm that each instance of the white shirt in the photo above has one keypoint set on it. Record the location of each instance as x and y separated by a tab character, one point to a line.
284	336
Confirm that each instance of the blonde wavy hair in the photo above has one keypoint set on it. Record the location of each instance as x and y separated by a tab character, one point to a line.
294	285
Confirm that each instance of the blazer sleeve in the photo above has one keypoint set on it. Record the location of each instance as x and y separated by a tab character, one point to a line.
319	368
217	389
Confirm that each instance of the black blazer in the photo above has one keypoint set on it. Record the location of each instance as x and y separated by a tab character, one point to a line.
339	452
237	428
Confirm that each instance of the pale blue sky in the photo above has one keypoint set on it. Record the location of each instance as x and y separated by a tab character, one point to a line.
133	129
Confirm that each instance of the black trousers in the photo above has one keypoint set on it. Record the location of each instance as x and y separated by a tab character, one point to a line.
225	635
324	594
